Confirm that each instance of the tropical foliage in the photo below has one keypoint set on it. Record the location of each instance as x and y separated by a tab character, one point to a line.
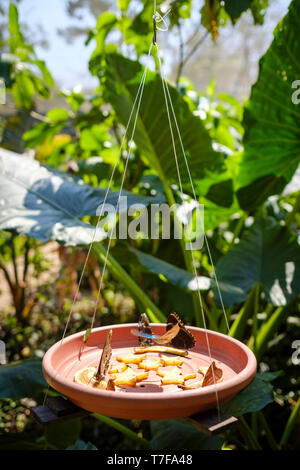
242	158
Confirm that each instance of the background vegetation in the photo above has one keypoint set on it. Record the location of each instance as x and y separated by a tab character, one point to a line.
243	158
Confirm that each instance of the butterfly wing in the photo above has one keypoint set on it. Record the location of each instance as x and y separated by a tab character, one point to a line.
213	375
105	357
169	335
144	327
184	339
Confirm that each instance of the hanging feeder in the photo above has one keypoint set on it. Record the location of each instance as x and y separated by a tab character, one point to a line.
149	399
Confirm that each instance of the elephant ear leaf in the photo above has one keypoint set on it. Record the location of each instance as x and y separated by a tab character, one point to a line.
269	255
272	119
41	202
152	135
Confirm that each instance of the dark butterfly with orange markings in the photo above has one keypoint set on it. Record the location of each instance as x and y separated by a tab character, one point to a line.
176	333
184	338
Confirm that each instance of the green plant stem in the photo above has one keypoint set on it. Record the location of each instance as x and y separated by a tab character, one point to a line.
290	424
239	325
290	217
254	317
248	435
268	329
154	313
123	429
14	259
211	315
237	230
254	420
187	255
273	444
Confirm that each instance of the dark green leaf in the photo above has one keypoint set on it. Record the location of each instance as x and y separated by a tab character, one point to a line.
271	119
221	193
268	254
21	379
152	134
94	166
253	398
235	8
177	434
255	193
170	273
63	434
20	441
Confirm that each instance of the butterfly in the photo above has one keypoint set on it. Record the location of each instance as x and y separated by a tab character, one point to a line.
176	333
105	358
145	329
184	338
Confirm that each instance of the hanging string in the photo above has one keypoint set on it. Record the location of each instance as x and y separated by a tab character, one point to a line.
168	96
139	94
166	88
194	195
121	187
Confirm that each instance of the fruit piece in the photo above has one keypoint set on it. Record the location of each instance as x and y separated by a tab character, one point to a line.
171	361
117	368
191	375
171	377
150	364
131	358
161	349
192	386
203	370
87	377
129	377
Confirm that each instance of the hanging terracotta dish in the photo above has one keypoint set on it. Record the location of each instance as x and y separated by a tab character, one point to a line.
161	385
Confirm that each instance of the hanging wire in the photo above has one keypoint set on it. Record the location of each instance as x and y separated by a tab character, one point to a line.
195	198
122	184
139	94
166	95
157	18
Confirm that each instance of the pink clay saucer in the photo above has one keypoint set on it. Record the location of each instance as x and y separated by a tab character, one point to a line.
149	399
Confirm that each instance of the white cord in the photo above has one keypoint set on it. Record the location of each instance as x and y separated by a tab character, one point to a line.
140	90
195	198
167	93
122	184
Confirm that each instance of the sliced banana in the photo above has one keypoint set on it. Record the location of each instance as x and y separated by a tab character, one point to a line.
87	376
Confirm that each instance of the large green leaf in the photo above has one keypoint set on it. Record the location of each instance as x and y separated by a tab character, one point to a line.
46	204
21	379
254	397
19	441
63	434
173	274
152	135
268	254
272	120
177	434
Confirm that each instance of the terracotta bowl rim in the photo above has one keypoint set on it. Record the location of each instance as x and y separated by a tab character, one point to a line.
245	376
